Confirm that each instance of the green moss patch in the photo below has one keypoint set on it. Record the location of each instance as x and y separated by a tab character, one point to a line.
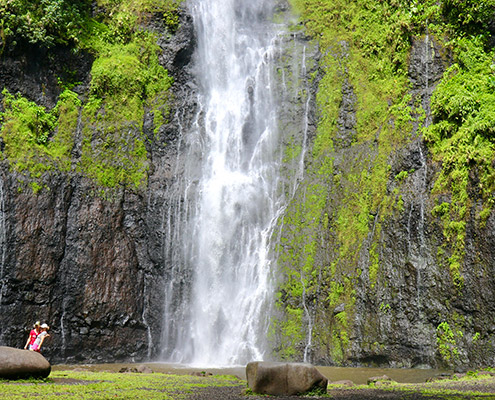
37	140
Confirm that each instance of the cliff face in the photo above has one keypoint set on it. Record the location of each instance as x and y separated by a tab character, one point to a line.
385	257
89	263
382	259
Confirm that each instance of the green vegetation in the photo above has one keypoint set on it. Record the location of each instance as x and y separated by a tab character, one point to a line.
462	139
44	23
51	22
447	344
106	385
127	80
37	140
331	234
472	385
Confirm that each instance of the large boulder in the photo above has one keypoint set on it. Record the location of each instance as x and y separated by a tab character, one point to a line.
19	364
284	378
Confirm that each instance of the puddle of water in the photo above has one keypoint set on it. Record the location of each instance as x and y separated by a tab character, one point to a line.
358	375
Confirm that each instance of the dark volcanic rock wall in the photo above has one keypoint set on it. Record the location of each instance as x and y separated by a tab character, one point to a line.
72	260
91	266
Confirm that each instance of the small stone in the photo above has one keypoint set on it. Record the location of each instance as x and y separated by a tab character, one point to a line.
128	370
340	308
439	377
379	380
382	383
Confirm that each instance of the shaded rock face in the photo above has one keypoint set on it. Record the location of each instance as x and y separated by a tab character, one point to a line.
346	121
34	72
391	299
22	364
396	322
83	265
91	267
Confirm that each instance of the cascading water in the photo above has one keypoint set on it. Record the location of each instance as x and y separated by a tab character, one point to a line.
219	285
419	254
3	241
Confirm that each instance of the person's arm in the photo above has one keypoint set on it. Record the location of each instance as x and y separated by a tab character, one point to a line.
42	339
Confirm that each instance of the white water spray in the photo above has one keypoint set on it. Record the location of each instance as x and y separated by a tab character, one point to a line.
3	241
219	285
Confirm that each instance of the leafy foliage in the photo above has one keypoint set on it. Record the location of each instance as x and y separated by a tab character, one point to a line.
447	343
468	17
127	78
462	139
45	22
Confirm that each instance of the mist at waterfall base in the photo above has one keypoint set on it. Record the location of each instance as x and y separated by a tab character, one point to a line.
219	293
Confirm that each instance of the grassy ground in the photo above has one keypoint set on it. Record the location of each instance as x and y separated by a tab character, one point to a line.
109	385
76	384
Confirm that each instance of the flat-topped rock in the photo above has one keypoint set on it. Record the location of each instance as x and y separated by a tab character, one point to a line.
284	378
20	364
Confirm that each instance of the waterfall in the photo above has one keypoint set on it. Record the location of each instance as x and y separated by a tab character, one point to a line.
3	249
421	257
229	194
3	241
